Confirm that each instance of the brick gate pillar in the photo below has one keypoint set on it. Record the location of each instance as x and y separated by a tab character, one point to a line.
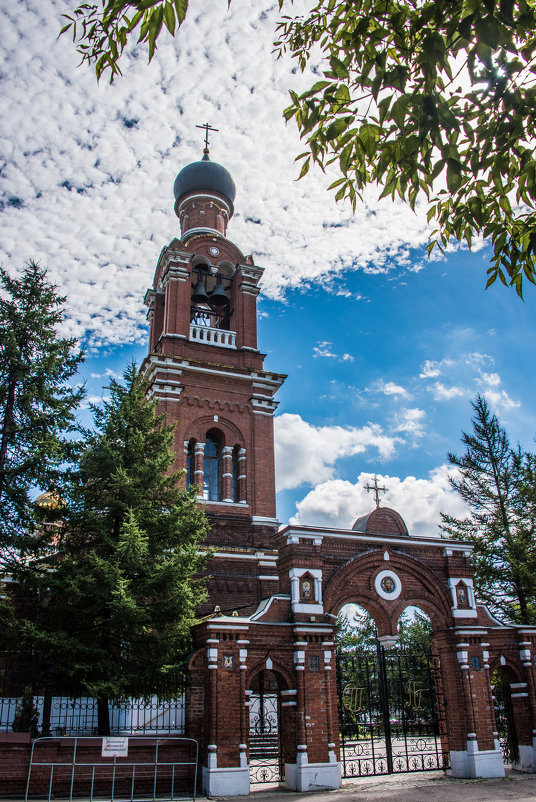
225	771
524	703
316	765
468	704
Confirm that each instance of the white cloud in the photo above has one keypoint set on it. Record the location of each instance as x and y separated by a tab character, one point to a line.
323	349
339	503
410	421
94	400
491	379
441	392
501	399
108	373
477	360
307	453
431	368
390	388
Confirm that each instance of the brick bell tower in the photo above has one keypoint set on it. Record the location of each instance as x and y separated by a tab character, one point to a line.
206	371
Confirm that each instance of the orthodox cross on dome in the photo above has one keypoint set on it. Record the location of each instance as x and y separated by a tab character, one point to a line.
207	128
377	490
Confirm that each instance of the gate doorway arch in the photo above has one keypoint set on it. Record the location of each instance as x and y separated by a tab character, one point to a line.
389	717
264	730
504	716
390	711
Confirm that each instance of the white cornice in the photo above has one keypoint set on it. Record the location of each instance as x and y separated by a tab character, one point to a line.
293	534
173	365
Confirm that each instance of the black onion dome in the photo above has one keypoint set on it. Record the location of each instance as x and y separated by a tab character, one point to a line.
205	176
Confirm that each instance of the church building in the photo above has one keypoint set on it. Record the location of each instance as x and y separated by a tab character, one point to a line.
264	673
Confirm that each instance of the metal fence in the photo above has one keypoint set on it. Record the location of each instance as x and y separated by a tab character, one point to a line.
58	713
116	768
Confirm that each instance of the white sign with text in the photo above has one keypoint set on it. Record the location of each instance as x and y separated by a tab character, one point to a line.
114	747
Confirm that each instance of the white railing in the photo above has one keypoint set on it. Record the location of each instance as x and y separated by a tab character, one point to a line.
210	336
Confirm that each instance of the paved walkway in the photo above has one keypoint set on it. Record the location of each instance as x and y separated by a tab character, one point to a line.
434	786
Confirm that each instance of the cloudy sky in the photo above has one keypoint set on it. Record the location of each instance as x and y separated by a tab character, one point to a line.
384	350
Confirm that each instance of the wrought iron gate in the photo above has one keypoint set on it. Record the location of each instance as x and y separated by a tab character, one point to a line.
389	719
265	760
504	717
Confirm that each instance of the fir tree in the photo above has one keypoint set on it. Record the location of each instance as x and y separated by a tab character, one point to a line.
26	715
121	596
357	630
37	404
497	484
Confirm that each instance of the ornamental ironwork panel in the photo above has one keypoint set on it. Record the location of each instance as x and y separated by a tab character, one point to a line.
264	743
61	712
389	719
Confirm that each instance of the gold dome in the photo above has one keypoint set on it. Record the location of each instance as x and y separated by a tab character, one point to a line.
50	500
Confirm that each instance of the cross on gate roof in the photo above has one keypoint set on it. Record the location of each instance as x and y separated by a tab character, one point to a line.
376	489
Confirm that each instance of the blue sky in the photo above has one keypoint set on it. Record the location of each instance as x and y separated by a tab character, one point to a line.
384	350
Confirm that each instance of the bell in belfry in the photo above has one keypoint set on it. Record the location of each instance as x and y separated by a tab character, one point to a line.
200	293
218	296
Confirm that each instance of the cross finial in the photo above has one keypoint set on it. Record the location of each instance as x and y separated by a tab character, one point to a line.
377	490
207	128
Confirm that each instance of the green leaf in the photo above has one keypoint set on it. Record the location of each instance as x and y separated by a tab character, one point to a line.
304	169
488	31
338	67
169	18
345	157
454	176
181	7
317	87
335	129
369	136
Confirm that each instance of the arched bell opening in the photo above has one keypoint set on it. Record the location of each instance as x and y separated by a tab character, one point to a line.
267	717
210	299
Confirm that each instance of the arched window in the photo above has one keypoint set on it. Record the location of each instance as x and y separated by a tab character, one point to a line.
236	473
190	464
212	468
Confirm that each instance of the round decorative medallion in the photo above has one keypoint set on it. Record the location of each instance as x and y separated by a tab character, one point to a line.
214	251
388	585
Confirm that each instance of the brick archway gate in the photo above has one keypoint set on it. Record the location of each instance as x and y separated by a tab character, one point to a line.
292	632
380	567
392	702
